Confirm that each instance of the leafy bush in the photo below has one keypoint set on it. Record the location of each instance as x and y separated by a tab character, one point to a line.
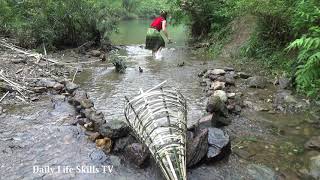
59	22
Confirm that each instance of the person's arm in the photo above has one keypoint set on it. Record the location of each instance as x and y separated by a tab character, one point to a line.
164	28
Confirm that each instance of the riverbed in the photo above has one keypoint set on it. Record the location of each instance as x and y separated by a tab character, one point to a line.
40	134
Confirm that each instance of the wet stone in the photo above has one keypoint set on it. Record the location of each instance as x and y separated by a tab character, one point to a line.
243	75
114	129
259	172
86	103
138	154
217	72
219	144
71	87
48	83
257	82
315	167
122	143
105	144
197	148
313	143
217	85
221	94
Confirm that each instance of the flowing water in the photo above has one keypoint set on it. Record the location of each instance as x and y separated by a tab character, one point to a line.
40	134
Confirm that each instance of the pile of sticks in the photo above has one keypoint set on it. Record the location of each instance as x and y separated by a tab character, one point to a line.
14	87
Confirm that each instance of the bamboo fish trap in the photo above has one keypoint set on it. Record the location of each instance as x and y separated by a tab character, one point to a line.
158	118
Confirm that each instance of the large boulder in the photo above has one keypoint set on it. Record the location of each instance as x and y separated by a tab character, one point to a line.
114	129
259	172
257	82
197	148
219	144
138	154
313	143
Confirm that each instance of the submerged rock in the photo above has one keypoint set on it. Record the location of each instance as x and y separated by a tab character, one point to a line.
219	144
259	172
197	148
114	129
138	154
315	167
257	82
313	143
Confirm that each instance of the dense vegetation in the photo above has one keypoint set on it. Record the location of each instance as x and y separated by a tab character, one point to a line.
287	35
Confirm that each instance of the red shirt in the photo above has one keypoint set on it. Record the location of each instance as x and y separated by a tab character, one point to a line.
157	23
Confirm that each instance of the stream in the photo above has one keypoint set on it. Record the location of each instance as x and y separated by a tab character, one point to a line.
40	134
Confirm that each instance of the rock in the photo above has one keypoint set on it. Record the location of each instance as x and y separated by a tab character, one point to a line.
201	74
315	167
122	143
313	143
230	80
212	77
114	129
217	72
229	69
215	104
220	121
137	153
70	86
33	99
18	61
78	96
48	83
58	86
105	144
259	172
86	103
93	136
217	85
221	94
231	95
257	82
283	99
95	53
243	75
284	83
219	144
96	118
197	148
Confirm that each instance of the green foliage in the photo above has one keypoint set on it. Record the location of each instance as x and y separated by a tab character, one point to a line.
307	16
57	23
119	63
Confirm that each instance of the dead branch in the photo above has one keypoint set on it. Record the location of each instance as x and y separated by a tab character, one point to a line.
4	96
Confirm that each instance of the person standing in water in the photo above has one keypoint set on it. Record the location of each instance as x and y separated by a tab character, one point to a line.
154	40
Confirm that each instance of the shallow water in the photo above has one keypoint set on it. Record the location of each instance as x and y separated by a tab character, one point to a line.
40	134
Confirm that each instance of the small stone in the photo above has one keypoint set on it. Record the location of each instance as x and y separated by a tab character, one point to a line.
243	75
86	103
93	136
217	85
58	86
221	94
231	95
105	144
313	143
71	87
257	82
229	69
315	167
215	104
138	154
34	99
217	72
258	172
48	83
201	74
122	143
114	129
95	53
284	83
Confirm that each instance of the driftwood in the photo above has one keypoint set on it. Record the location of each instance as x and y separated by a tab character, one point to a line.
74	76
4	96
15	86
37	56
